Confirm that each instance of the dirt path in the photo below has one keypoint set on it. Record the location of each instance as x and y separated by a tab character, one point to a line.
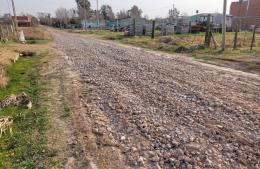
139	109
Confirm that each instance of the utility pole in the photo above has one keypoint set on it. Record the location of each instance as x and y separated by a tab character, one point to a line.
15	17
224	25
247	10
85	15
97	15
248	5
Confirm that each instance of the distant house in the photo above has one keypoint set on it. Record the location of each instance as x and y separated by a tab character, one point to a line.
6	19
245	13
216	19
92	23
24	21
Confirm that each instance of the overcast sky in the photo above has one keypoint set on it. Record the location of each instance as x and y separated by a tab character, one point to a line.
152	8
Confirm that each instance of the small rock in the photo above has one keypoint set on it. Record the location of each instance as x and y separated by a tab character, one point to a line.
193	147
141	160
155	158
97	131
134	149
165	40
123	138
177	153
210	109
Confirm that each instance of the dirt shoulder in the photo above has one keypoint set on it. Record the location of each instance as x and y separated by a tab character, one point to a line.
71	133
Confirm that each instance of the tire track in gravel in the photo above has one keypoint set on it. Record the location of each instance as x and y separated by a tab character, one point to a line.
167	112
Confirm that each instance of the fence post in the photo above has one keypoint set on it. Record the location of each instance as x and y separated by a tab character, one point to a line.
207	34
117	25
253	39
1	32
235	39
153	30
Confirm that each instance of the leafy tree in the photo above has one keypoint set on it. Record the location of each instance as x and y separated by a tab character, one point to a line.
135	12
107	12
83	8
81	4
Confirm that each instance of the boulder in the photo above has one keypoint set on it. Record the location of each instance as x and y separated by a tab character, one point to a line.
165	40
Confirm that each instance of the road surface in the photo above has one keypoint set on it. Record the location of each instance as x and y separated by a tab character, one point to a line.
163	111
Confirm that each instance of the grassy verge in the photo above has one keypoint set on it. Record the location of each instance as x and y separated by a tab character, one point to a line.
26	147
242	58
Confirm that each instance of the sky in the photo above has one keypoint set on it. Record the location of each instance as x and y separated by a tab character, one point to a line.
152	8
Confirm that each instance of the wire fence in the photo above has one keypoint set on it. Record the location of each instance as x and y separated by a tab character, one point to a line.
6	31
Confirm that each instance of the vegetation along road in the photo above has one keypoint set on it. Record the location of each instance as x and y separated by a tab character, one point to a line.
143	109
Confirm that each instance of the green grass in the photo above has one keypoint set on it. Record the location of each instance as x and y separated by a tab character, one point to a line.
40	42
26	147
66	110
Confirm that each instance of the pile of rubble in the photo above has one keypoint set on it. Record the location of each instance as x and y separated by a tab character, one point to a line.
16	100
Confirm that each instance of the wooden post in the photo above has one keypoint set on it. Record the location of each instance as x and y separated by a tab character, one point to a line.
153	30
207	34
253	39
117	25
1	32
214	41
235	39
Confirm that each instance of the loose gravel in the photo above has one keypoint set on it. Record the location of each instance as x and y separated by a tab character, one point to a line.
167	111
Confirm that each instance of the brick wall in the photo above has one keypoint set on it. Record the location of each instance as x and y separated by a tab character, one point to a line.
240	9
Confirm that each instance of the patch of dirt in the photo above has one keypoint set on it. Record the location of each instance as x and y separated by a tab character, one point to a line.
246	64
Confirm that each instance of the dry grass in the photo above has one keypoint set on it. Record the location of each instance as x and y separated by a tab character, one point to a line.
9	51
35	33
3	79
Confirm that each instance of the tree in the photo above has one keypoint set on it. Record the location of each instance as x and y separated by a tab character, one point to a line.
85	4
44	18
122	14
107	12
71	13
83	8
62	15
135	12
173	15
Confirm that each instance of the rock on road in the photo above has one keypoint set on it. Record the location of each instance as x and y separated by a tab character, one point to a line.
167	111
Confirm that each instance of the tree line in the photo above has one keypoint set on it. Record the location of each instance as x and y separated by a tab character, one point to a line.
84	11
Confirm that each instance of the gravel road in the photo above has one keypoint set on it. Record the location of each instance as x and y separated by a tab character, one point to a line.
167	111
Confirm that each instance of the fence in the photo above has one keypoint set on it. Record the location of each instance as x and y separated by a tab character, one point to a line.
6	31
141	26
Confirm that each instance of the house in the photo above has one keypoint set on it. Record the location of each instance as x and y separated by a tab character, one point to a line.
183	25
216	19
92	23
6	19
245	13
135	26
24	21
